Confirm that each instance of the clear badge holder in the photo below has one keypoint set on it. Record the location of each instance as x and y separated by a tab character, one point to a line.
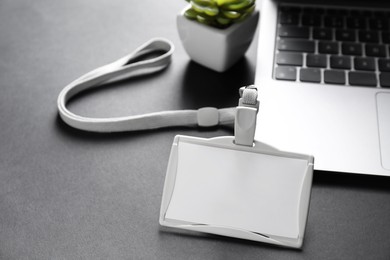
238	187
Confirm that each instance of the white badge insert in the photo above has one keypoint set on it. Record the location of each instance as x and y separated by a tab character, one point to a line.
253	192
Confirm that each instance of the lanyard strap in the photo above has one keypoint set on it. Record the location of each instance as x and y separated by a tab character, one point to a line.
130	66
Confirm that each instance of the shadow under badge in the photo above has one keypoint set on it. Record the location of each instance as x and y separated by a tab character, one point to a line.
238	187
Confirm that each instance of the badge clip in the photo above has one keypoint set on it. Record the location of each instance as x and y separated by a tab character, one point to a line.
246	114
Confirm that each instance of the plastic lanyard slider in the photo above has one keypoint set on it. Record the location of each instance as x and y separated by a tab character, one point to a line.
246	113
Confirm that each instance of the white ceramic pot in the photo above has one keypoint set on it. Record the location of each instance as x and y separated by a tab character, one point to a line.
217	49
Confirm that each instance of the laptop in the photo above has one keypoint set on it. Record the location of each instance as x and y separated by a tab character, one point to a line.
323	73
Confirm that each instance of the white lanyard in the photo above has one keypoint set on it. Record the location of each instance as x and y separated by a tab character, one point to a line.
133	65
257	162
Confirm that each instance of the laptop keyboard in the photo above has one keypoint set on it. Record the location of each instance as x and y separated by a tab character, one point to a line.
333	46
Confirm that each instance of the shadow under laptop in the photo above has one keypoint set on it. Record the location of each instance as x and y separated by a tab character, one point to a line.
353	181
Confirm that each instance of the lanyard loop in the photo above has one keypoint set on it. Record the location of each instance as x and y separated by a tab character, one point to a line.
129	66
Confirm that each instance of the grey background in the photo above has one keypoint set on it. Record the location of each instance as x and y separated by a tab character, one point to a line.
68	194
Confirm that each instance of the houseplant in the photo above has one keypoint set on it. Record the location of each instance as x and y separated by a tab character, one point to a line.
217	33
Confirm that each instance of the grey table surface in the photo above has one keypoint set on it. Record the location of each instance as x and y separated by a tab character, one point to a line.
68	194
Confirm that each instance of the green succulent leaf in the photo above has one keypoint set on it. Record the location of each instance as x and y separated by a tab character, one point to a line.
223	22
231	14
207	7
226	2
203	20
239	6
190	14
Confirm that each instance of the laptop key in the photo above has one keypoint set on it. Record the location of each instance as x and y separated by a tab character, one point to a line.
293	59
315	60
296	45
379	24
386	37
334	77
322	34
351	49
374	50
368	36
334	21
289	18
364	63
345	35
310	75
311	20
340	62
384	79
356	23
328	47
384	65
286	73
362	78
380	14
290	31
